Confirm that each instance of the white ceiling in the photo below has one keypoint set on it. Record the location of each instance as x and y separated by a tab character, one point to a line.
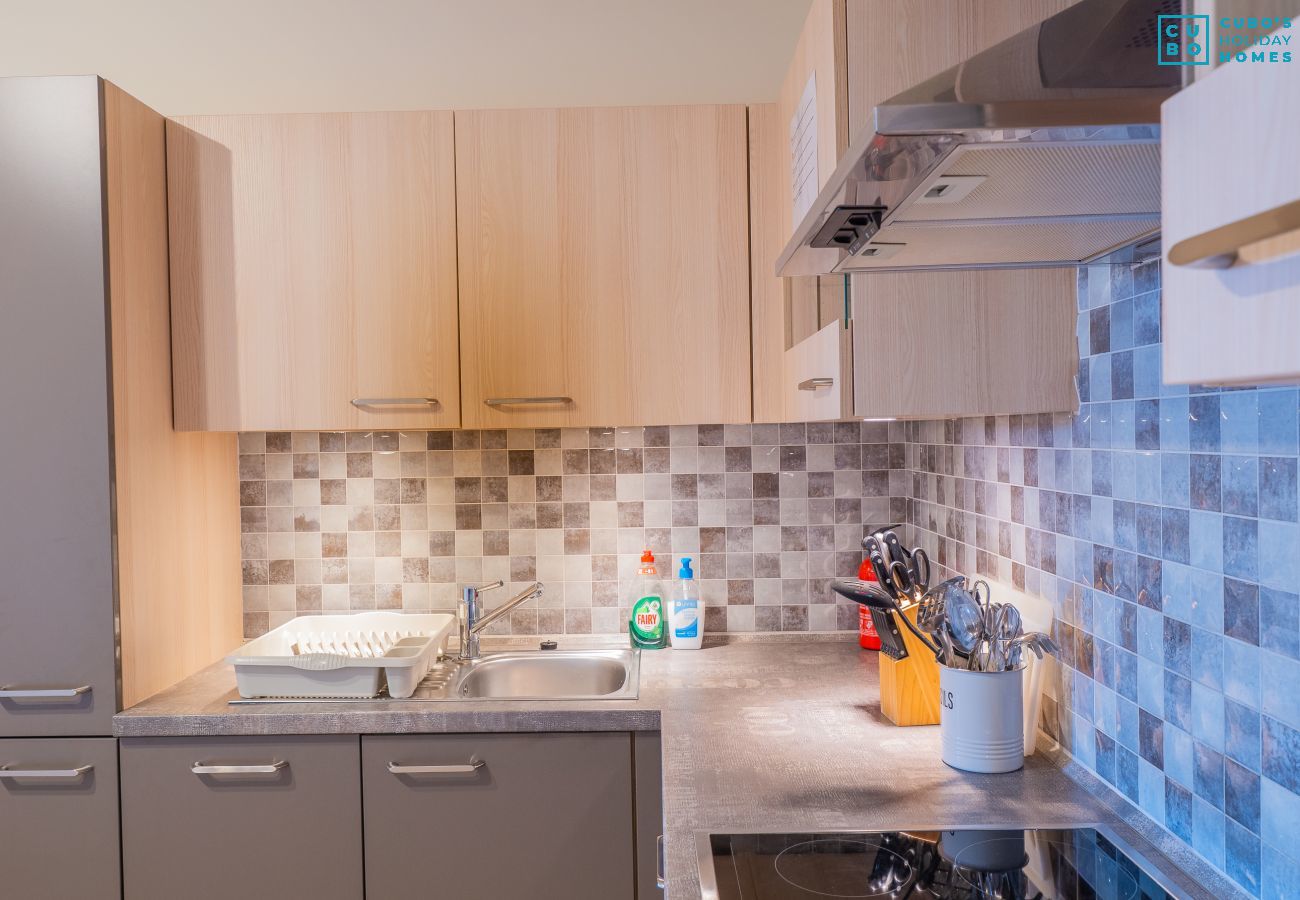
223	56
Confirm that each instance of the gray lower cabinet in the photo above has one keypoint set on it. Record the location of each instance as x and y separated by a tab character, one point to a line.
494	816
58	819
215	818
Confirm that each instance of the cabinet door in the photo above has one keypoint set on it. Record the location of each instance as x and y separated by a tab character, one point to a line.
215	818
1231	233
57	671
603	266
313	266
58	819
544	816
971	343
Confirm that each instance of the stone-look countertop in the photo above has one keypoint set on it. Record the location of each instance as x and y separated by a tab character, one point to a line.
784	735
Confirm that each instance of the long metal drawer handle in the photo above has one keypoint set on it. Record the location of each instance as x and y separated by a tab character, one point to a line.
525	401
204	769
364	402
6	772
459	769
661	878
8	692
816	384
1218	248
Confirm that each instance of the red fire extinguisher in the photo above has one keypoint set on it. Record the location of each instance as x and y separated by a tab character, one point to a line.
868	639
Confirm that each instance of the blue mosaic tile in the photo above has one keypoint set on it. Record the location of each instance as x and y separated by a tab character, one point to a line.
1278	432
1241	610
1241	548
1239	422
1277	488
1151	790
1151	738
1241	794
1208	831
1104	756
1241	485
1178	809
1280	680
1241	672
1151	687
1279	873
1101	473
1279	553
1098	386
1279	753
1175	480
1175	424
1178	760
1178	646
1146	318
1099	330
1146	379
1175	540
1241	741
1207	656
1205	482
1147	477
1203	427
1279	621
1178	704
1241	847
1279	814
1122	419
1121	325
1208	716
1205	540
1121	375
1207	774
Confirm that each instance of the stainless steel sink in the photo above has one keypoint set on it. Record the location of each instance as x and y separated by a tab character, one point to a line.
552	675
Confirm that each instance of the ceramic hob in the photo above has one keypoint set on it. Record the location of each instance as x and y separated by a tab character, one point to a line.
978	864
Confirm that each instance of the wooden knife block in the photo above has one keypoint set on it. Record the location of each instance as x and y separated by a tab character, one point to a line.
909	688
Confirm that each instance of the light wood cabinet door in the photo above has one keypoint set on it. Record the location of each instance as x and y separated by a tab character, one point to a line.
933	345
1231	230
215	818
58	819
313	265
544	816
604	263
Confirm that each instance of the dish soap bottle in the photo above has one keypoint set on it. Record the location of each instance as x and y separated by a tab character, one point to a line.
685	611
646	627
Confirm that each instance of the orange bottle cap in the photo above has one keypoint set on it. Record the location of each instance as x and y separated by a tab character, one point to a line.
647	557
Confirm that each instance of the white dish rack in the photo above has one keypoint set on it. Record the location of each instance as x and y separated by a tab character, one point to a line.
344	656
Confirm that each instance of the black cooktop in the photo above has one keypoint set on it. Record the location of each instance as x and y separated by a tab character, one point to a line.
978	864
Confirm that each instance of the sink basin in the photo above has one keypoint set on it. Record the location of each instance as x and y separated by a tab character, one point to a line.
553	675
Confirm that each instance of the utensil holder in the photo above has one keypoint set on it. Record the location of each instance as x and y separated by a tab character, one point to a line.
981	717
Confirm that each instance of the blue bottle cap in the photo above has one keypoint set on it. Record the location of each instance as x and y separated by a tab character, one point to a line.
685	571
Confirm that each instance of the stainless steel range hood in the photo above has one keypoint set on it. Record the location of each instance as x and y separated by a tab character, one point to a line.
1043	150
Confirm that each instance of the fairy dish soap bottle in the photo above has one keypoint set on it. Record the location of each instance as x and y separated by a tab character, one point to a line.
646	628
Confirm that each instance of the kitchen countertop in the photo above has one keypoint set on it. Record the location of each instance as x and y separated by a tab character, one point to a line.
780	735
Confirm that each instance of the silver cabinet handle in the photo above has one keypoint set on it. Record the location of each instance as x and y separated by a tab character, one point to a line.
816	384
1218	248
525	401
6	772
661	880
9	692
204	769
459	769
365	402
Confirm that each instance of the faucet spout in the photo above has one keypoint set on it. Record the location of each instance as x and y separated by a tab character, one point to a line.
472	619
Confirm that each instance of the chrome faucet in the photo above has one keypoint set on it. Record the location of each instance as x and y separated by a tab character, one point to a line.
472	619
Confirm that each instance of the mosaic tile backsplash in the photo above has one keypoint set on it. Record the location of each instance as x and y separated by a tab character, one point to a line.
1162	523
769	513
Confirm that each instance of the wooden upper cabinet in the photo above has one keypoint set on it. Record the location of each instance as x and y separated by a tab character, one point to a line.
313	264
893	45
604	266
